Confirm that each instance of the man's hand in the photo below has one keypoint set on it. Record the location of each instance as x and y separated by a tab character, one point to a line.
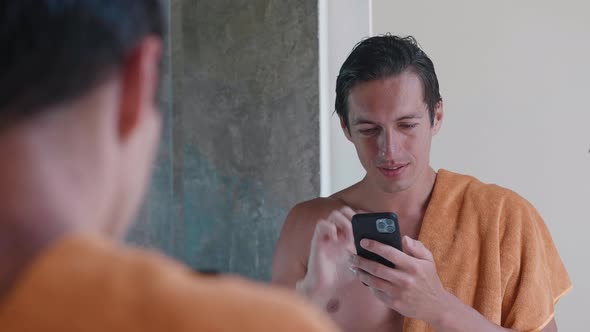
413	288
332	247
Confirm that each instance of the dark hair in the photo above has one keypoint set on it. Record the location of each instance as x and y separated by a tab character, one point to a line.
381	57
56	50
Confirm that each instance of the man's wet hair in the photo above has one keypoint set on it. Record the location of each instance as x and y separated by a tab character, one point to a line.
56	50
381	57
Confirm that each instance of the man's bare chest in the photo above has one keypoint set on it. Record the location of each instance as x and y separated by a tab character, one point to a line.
355	308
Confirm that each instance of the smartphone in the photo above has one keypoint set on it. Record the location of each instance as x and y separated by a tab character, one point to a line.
382	227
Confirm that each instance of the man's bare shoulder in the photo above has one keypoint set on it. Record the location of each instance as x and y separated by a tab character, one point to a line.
321	207
307	214
318	207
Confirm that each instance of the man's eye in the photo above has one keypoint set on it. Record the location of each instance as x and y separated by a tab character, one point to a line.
408	125
368	131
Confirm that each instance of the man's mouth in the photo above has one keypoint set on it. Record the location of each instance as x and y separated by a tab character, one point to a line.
392	170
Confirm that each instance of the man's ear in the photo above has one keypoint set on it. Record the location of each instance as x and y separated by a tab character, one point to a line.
438	117
344	128
139	84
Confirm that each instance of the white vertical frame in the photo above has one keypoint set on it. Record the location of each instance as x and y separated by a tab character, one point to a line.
324	84
342	24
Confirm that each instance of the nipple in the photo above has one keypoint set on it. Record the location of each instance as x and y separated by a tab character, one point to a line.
333	306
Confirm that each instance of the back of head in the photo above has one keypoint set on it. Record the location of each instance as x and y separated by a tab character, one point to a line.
56	50
380	57
58	53
77	117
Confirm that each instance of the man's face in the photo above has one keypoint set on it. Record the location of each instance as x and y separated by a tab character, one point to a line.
391	130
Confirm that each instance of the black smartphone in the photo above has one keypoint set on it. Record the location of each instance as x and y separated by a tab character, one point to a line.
382	227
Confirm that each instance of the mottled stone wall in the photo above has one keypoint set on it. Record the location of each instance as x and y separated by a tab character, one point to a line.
241	136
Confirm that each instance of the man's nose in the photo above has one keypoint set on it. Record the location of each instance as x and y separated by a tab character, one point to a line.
387	145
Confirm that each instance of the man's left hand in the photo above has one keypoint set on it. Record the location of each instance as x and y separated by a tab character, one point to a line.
413	287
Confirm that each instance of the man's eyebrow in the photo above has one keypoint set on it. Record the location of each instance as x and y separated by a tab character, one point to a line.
362	121
411	116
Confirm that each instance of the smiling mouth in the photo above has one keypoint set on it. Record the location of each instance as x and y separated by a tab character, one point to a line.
392	170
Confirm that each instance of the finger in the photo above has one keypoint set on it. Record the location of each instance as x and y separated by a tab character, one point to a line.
373	282
326	231
343	224
399	258
348	212
388	298
381	295
378	270
416	249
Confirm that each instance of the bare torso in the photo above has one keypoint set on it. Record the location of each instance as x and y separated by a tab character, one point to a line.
353	306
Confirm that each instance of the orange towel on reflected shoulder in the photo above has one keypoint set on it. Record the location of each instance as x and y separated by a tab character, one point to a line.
494	252
91	284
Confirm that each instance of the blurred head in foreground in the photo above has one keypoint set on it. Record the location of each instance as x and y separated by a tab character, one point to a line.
78	120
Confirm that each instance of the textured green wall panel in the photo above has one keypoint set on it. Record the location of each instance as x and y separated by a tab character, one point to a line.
240	143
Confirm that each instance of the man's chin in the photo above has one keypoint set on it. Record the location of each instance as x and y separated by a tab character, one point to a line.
394	189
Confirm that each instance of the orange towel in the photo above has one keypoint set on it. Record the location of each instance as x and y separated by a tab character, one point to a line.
90	284
494	252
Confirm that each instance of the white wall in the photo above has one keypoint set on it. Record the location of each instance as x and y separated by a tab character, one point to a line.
343	23
515	78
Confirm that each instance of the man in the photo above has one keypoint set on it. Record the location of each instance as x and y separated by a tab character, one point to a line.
475	257
78	132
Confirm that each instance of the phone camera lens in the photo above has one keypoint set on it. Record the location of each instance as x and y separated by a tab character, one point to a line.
389	222
390	229
381	225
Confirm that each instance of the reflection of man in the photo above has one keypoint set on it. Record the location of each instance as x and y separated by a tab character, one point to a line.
480	246
79	129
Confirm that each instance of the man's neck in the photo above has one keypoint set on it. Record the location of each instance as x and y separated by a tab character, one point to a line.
411	202
41	200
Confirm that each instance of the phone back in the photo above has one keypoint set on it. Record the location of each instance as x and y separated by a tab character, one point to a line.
382	227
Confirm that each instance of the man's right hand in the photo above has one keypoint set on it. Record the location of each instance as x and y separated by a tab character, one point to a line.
329	263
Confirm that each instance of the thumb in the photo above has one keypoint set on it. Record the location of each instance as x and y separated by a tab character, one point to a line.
416	249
